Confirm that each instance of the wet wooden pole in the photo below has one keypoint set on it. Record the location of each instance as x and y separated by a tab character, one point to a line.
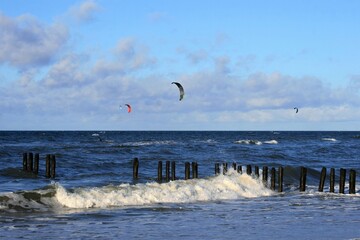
30	161
217	169
194	169
239	169
322	179
332	180
273	178
159	178
342	180
25	161
53	166
303	173
256	171
352	181
173	171
36	164
47	162
265	175
225	167
248	170
167	171
281	178
136	168
187	170
234	165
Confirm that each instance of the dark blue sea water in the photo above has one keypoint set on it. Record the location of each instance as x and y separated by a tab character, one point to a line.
94	195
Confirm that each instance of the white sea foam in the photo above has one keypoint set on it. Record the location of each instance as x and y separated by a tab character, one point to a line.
248	141
256	142
222	187
329	139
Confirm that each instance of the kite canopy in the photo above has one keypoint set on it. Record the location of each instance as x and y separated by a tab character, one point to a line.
296	109
129	107
181	89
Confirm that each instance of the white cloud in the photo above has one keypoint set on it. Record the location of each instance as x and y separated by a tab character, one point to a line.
85	11
25	42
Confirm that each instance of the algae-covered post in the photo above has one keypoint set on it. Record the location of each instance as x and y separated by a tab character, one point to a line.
322	179
217	169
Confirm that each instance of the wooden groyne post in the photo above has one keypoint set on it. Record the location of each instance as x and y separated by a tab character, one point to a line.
303	173
322	179
342	180
273	178
173	168
167	171
265	175
136	168
352	181
159	178
281	178
332	180
187	170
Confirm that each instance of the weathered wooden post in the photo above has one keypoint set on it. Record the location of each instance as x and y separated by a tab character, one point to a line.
352	180
47	170
322	179
194	169
256	171
24	161
332	180
53	166
265	175
173	171
30	162
36	164
248	169
239	169
187	170
136	168
342	180
225	168
281	178
234	165
217	169
303	173
167	171
159	178
273	178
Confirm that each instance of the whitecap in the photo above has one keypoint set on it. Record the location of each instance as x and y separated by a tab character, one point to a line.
248	141
329	139
271	142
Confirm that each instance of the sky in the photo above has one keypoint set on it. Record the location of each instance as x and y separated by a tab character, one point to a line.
244	64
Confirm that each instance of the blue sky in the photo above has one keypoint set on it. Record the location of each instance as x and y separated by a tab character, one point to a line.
245	65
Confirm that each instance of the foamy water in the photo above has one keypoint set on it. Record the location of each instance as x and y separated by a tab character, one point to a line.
222	187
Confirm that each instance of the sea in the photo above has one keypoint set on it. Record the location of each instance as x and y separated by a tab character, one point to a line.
94	194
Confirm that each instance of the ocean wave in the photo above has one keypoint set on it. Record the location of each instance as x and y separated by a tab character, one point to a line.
148	143
222	187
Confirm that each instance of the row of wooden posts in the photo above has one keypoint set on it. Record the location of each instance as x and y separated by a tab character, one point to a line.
31	164
265	175
168	165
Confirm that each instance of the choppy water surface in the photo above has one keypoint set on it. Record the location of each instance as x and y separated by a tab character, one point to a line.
95	196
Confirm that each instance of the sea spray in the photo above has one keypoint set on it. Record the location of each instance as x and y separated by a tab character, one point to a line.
222	187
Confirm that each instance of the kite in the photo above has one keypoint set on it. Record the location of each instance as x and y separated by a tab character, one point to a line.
181	89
